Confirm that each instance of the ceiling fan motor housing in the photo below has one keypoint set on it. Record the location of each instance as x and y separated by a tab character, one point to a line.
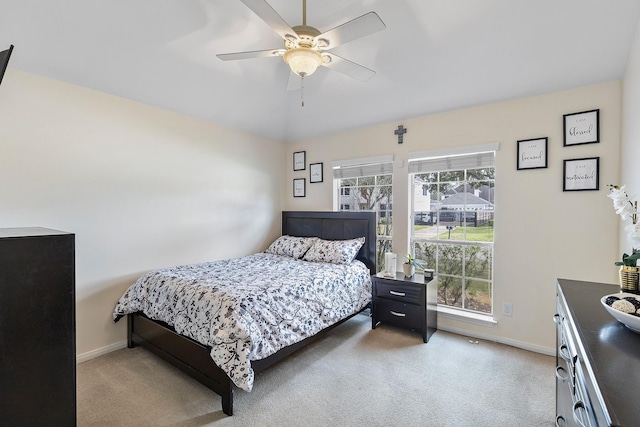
306	37
302	55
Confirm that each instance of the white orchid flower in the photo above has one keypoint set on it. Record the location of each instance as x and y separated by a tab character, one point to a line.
621	202
633	233
627	211
617	192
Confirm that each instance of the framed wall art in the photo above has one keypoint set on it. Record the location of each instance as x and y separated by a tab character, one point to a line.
582	128
532	153
299	161
315	172
581	174
299	185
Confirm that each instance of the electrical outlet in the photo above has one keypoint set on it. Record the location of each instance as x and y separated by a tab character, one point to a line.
507	309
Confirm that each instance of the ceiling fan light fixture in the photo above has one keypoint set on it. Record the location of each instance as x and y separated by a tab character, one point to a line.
302	60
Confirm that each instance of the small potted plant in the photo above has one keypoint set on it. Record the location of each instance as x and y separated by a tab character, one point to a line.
410	265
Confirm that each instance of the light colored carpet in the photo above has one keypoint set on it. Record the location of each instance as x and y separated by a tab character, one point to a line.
354	376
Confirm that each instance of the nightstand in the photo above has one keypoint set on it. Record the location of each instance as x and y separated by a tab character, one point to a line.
407	302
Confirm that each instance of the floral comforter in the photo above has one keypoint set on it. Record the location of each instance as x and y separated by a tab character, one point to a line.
250	307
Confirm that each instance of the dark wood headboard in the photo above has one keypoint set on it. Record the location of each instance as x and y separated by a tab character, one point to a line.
335	226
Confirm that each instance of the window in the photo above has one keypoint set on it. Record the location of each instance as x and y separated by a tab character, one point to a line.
453	222
366	185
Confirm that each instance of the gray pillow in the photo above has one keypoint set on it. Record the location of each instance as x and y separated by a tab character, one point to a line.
334	251
291	246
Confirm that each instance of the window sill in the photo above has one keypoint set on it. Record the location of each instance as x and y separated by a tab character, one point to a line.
465	316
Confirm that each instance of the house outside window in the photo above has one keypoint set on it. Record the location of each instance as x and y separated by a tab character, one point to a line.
366	185
453	221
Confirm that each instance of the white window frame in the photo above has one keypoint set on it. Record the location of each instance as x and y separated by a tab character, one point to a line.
433	157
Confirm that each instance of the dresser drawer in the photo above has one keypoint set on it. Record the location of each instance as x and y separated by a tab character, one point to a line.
401	314
410	293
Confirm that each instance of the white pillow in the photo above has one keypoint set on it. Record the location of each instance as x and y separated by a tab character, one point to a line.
291	246
334	251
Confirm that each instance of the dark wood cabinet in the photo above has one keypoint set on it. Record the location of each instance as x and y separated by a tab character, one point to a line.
37	327
597	360
407	302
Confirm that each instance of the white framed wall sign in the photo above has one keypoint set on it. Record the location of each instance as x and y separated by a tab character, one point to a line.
532	153
299	187
582	128
299	162
581	174
315	172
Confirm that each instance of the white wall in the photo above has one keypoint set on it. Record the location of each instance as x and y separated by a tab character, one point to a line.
630	159
143	188
140	187
541	233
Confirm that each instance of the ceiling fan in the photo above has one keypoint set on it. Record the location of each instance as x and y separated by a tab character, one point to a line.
306	48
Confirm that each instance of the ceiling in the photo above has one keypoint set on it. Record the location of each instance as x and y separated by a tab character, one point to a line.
433	56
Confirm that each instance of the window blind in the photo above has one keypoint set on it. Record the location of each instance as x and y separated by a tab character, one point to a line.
455	158
452	163
362	167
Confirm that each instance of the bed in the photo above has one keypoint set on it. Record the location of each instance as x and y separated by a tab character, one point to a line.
245	352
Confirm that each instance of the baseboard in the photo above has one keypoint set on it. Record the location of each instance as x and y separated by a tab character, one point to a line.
514	343
100	351
459	331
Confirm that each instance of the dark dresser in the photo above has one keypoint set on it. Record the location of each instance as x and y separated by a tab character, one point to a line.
597	358
407	302
37	327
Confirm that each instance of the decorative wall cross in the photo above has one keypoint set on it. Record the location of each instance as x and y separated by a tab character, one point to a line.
400	132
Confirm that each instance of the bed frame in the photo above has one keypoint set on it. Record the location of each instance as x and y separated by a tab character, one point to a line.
194	358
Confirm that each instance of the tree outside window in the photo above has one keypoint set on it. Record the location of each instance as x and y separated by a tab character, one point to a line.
371	193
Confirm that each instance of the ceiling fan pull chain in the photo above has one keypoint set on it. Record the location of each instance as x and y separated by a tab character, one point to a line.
302	90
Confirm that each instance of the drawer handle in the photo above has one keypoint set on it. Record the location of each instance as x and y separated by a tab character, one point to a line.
556	319
563	350
398	294
395	313
559	374
576	407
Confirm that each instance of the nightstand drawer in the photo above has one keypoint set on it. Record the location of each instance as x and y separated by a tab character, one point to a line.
411	293
407	302
405	315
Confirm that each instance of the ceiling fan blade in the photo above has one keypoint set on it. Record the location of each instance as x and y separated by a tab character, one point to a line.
349	68
251	54
364	25
271	17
